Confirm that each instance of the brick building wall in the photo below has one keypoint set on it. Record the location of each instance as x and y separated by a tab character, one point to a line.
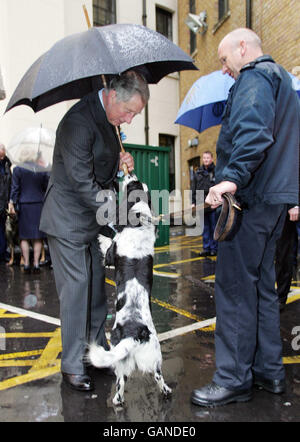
276	23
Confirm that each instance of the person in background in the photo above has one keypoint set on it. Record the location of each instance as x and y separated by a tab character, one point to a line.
5	183
26	197
204	178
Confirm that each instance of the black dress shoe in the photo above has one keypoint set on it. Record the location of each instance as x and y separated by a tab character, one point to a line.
212	395
80	382
276	386
27	270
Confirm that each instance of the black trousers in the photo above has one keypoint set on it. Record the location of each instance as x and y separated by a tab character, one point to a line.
247	336
285	258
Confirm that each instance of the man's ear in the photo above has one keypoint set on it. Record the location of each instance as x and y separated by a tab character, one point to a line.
243	47
112	95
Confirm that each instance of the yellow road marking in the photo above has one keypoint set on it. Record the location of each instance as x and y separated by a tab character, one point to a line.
29	377
110	282
24	354
182	312
50	353
182	261
46	365
26	335
291	360
3	314
175	309
167	274
14	363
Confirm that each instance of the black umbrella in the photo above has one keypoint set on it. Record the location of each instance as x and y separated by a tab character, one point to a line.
73	66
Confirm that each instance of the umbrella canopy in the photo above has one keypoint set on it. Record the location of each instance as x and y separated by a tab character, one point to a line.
72	67
32	149
204	103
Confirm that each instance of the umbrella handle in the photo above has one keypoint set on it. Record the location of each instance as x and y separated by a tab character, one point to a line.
86	16
124	166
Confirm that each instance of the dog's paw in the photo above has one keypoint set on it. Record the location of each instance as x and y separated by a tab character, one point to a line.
118	401
166	391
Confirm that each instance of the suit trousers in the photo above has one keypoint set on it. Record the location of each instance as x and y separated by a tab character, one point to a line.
247	336
210	221
80	283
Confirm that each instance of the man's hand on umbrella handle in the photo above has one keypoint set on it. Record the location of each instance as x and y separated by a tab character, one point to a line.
127	159
214	197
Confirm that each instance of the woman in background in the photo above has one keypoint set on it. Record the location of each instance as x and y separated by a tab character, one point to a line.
29	184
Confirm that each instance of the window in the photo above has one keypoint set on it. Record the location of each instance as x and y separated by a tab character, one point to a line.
193	36
104	12
164	22
223	14
223	8
169	141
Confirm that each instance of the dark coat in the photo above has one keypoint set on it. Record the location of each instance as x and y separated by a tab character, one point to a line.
28	186
203	179
85	161
258	145
5	183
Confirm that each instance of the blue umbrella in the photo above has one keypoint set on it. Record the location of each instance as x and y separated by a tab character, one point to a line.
204	103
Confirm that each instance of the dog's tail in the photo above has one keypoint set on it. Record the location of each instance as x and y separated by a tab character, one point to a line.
99	357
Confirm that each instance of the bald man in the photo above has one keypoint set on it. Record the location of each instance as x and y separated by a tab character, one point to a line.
258	161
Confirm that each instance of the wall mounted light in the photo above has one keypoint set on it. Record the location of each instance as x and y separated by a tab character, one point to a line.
197	23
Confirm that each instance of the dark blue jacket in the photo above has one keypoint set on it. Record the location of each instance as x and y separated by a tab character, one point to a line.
203	179
258	145
28	186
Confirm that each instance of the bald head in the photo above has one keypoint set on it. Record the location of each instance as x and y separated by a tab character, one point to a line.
237	49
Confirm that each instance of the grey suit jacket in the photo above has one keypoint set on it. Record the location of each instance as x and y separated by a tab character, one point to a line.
85	160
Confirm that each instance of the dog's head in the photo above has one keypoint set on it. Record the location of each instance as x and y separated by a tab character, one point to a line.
135	208
132	183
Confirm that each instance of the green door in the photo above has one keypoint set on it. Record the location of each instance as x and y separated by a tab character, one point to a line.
151	165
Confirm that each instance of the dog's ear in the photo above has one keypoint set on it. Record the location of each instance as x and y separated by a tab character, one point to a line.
110	255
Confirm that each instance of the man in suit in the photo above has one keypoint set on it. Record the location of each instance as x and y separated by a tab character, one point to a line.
86	161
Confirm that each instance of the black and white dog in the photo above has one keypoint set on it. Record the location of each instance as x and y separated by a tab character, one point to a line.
134	342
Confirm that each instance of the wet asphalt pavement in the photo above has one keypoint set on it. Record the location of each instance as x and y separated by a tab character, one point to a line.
31	388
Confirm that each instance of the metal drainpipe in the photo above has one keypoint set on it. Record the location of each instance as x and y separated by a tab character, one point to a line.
146	107
249	14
